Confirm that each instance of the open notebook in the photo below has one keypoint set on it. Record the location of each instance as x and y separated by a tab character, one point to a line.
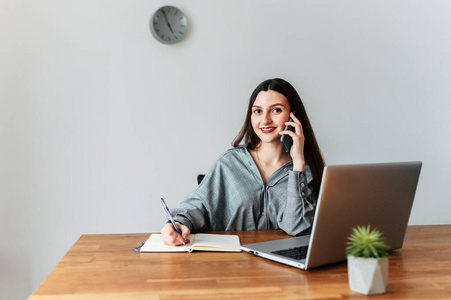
198	242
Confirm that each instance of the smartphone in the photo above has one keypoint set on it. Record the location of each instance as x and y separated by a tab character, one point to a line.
286	140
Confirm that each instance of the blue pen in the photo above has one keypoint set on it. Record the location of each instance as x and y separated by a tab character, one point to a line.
171	218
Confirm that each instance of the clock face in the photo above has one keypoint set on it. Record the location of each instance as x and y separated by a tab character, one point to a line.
168	25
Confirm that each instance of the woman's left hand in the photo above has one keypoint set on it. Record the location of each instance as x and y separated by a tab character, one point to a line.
297	149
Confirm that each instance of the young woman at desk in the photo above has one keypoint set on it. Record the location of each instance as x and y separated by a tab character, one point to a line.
258	186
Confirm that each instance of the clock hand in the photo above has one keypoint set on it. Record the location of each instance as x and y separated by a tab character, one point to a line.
169	25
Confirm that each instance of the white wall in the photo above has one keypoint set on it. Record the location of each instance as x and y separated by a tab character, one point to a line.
98	120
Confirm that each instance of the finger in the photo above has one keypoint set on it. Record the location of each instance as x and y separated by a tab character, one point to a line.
185	231
178	239
292	124
296	120
293	116
288	132
170	240
181	237
181	240
169	236
297	127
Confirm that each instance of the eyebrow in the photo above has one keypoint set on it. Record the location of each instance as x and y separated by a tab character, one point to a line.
274	105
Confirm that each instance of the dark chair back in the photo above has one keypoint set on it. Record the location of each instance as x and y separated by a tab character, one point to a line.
200	177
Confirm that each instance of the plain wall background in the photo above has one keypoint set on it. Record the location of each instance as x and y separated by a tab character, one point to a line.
98	120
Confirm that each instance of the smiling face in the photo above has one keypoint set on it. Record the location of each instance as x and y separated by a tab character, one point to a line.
270	111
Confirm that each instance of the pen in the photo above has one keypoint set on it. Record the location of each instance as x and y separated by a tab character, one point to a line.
171	218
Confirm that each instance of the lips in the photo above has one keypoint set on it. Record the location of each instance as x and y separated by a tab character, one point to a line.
268	129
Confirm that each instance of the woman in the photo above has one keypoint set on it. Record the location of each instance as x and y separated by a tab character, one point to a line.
258	186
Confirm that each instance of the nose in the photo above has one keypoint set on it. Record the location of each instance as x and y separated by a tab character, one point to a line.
266	119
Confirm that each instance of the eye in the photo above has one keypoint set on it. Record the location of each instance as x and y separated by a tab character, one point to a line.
257	111
277	110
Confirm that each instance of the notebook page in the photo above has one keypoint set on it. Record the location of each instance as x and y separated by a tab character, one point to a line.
155	244
216	242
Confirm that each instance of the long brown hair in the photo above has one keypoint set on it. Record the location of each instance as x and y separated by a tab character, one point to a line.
312	153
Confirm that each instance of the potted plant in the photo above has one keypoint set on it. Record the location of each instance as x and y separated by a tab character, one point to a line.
367	261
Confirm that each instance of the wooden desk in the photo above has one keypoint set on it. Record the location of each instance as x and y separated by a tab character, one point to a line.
105	266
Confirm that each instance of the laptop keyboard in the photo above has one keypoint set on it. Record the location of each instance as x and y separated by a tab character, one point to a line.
295	253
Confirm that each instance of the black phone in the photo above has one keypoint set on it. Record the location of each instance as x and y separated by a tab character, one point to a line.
286	140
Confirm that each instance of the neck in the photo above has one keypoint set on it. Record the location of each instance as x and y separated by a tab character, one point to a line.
269	158
272	154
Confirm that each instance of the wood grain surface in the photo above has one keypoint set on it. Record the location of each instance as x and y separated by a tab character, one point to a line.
105	266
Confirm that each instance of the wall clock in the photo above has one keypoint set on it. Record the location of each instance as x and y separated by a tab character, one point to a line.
168	25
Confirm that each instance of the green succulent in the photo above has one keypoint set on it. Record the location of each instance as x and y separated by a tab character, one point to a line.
367	243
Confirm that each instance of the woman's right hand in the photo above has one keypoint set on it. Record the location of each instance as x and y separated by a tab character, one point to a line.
170	237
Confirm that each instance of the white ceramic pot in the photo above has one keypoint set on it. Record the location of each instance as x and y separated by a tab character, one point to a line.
368	276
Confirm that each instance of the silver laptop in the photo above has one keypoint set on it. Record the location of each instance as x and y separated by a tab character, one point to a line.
380	195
